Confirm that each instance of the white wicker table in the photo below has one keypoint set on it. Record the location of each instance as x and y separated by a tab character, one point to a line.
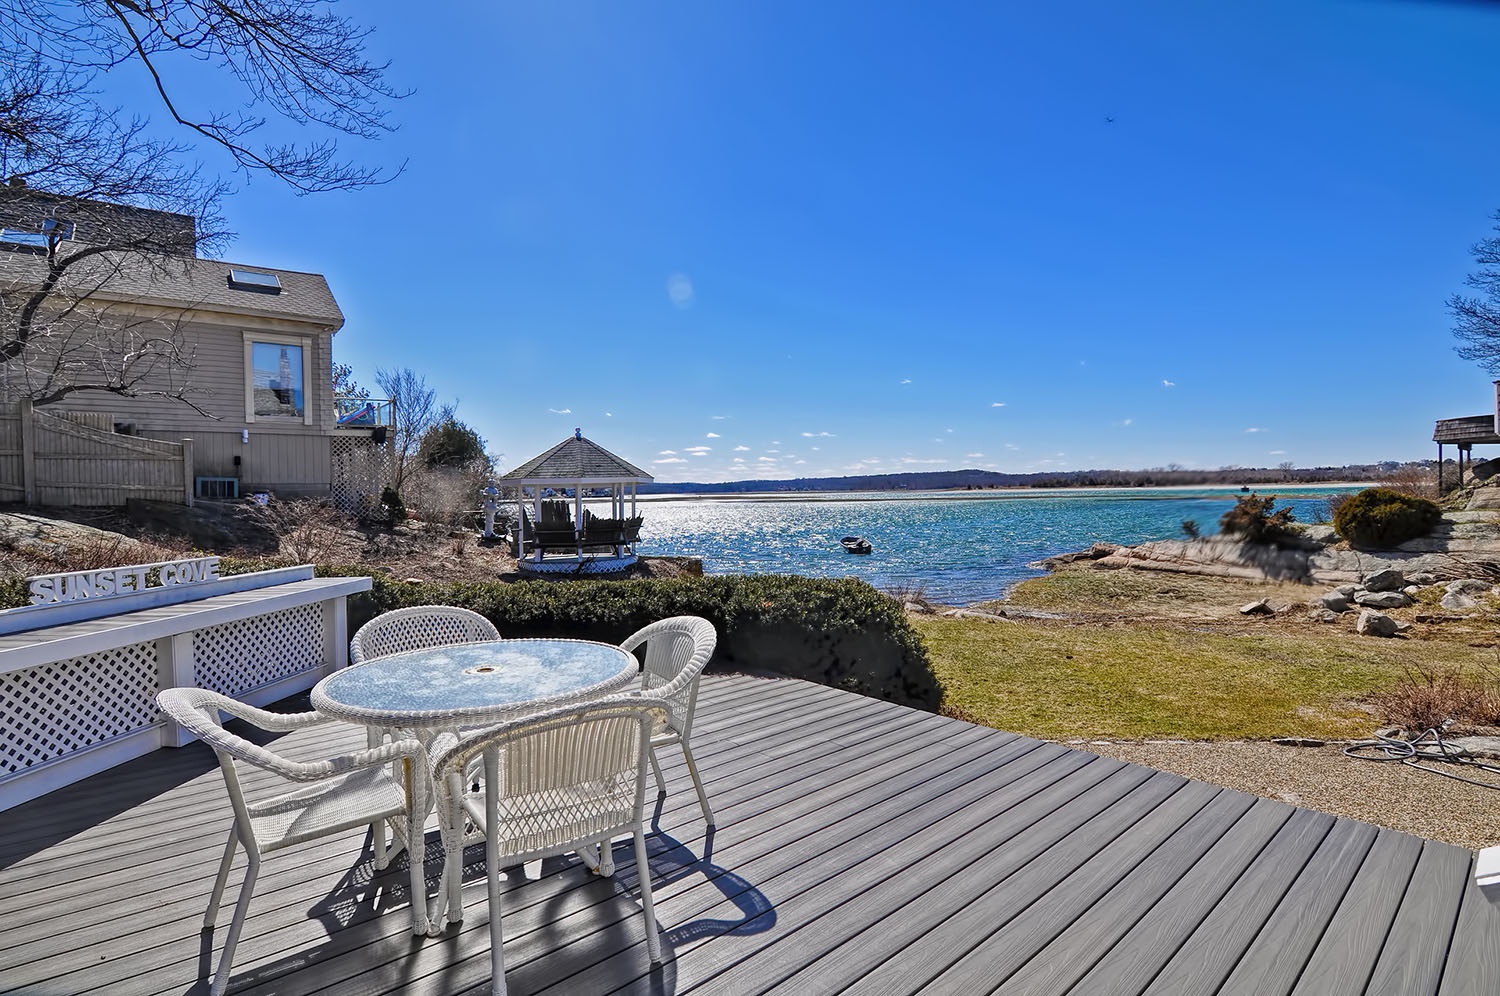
441	690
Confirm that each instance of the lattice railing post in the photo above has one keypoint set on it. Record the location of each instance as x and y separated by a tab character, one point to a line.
174	669
335	635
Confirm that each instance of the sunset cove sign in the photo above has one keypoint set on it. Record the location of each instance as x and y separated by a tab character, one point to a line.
111	581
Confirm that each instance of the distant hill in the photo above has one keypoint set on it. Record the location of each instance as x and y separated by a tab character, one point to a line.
981	479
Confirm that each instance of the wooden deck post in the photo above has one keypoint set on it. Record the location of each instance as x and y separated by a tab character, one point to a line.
28	451
1440	470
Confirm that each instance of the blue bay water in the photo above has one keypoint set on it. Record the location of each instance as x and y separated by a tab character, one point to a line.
962	547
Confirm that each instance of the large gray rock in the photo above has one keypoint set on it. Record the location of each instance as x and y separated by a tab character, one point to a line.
1336	601
1387	579
1485	469
1260	608
1382	600
1468	586
1457	601
1373	623
1422	578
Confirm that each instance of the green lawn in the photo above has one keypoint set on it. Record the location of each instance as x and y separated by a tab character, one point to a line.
1062	681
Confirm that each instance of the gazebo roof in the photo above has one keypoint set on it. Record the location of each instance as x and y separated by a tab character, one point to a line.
575	460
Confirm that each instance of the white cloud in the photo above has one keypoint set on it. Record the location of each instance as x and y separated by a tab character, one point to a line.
1011	446
914	460
947	430
669	460
1127	421
765	459
775	442
813	435
718	418
1278	453
667	453
738	460
742	449
972	456
1254	429
997	404
939	439
906	381
798	463
609	414
698	450
560	411
1168	383
816	448
680	290
712	435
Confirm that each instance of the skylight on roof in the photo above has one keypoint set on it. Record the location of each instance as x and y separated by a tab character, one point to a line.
23	238
266	283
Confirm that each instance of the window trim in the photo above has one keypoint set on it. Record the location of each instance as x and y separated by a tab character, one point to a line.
306	344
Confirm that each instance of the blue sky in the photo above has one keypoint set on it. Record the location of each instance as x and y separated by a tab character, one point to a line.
775	239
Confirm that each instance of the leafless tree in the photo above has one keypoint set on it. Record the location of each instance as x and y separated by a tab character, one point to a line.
416	411
1476	320
298	58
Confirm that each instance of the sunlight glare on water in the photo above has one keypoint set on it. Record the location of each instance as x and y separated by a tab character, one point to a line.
962	547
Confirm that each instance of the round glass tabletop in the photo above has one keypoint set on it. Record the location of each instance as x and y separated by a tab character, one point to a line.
472	678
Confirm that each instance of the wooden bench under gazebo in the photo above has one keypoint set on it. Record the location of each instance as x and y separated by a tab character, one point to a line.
556	531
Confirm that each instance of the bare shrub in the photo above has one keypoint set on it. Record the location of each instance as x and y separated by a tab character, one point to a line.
1332	504
444	495
310	530
1423	699
910	593
1414	480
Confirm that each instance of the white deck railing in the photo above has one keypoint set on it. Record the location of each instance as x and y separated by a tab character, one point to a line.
78	679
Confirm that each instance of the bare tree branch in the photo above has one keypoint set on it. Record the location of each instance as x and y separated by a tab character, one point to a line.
1476	320
297	57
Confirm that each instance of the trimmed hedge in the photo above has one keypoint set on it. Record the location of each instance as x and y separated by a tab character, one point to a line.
841	633
1381	518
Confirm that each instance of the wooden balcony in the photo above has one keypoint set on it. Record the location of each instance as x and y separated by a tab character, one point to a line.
862	847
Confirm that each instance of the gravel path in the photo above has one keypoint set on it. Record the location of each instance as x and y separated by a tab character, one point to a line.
1387	794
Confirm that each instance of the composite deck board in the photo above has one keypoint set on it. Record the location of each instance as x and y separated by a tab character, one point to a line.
849	830
1344	960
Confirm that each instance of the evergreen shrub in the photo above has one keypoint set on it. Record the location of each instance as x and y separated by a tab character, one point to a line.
1380	518
841	633
1252	520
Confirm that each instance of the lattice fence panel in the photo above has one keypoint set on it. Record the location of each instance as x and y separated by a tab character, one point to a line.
237	656
360	470
56	709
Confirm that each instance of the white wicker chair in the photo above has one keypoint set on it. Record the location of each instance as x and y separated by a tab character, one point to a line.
332	796
417	628
565	780
677	651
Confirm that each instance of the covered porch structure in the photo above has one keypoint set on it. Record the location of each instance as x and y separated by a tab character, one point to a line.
1465	434
556	530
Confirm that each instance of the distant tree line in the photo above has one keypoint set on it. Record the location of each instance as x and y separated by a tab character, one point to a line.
1155	477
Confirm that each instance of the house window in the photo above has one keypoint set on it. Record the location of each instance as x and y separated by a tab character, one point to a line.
276	380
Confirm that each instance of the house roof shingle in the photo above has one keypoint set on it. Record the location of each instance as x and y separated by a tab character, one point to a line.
578	459
183	282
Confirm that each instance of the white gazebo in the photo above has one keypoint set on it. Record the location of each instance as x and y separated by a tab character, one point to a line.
556	531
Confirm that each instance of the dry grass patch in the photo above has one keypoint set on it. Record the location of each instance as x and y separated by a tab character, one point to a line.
1061	682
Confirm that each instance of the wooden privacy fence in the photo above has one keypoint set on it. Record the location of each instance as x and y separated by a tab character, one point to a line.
75	458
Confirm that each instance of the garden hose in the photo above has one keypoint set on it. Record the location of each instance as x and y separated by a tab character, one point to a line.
1430	746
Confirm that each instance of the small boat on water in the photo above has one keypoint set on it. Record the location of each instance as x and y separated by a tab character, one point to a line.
856	544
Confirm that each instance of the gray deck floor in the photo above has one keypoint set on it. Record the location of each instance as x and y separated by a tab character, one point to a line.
862	847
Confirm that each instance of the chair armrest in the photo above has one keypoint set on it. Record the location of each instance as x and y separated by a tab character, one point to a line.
274	722
345	763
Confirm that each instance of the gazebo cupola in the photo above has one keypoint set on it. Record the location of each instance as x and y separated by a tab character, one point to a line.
558	532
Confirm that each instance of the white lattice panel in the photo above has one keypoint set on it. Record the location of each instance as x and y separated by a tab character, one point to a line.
360	471
56	709
252	652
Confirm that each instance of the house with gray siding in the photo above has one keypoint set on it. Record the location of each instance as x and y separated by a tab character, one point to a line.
251	386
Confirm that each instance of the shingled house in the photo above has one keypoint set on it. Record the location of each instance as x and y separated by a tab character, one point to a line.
250	382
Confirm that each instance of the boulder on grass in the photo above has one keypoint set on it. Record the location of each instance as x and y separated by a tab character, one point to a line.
1389	579
1260	608
1336	601
1372	623
1382	599
1468	586
1457	601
